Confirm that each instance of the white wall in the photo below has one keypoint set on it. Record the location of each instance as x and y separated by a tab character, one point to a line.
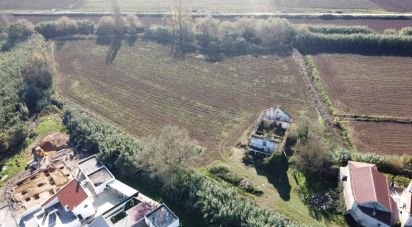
406	220
85	209
99	189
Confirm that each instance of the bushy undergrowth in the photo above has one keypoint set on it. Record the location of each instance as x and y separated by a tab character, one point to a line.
223	172
240	35
220	206
393	164
63	27
333	29
25	87
307	41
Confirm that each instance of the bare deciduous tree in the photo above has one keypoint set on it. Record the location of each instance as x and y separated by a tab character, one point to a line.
172	151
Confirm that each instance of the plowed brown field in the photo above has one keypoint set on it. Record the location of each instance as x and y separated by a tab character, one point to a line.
146	88
196	5
394	5
369	85
389	138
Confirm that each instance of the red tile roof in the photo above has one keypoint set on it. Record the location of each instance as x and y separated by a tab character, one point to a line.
369	185
70	195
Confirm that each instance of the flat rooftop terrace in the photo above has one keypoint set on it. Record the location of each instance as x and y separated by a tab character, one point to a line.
100	176
90	165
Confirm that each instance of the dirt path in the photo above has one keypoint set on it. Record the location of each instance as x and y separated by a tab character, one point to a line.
320	106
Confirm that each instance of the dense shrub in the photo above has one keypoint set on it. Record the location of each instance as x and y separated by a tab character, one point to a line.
20	30
64	27
159	33
24	89
406	31
220	206
109	25
240	36
333	29
352	42
393	164
105	26
223	172
111	143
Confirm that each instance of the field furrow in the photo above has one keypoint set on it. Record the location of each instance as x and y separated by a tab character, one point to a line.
146	88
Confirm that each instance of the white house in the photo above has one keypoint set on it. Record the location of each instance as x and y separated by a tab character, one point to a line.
405	207
93	198
262	145
367	195
68	207
277	116
74	199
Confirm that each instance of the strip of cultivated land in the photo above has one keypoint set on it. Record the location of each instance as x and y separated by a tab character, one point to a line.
146	88
203	5
376	86
381	137
368	85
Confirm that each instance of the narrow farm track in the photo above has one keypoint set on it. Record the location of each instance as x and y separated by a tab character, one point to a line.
146	88
321	107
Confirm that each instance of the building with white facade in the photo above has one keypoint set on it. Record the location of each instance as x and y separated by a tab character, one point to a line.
367	195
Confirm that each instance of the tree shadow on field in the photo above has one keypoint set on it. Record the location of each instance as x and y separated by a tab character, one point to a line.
115	45
60	44
276	171
131	40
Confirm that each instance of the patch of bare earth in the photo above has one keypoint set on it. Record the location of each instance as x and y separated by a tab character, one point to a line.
380	137
368	85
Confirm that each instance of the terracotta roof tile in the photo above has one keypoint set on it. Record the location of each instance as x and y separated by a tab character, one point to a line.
71	195
369	185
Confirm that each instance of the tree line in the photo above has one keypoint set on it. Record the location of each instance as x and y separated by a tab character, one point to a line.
240	35
25	89
352	38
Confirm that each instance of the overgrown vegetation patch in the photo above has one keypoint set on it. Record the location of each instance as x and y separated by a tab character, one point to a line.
223	172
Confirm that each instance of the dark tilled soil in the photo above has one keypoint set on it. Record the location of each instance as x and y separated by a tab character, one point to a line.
384	138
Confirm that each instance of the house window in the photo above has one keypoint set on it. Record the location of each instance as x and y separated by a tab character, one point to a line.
344	178
85	206
80	217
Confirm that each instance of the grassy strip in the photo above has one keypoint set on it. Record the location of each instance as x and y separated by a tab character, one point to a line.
314	74
375	118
